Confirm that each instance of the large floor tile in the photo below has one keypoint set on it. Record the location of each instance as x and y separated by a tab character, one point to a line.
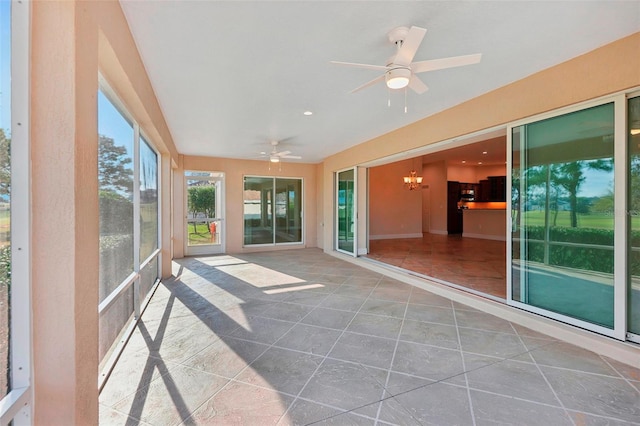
345	303
287	312
595	394
427	361
262	330
441	335
384	308
564	355
433	314
346	386
491	343
172	398
491	409
375	325
306	413
241	404
282	370
512	379
226	357
367	350
306	338
437	404
329	318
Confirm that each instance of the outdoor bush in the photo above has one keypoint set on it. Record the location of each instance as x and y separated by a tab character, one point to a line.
5	265
588	258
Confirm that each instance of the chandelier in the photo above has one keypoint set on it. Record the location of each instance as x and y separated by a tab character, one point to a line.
413	181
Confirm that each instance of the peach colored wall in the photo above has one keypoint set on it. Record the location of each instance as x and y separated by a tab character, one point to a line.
70	43
482	172
319	207
235	170
394	211
461	173
435	175
582	78
65	230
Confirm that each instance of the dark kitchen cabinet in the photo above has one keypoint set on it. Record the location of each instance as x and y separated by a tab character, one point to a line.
494	188
454	215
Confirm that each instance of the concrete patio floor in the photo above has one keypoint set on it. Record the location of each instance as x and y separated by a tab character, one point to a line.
300	337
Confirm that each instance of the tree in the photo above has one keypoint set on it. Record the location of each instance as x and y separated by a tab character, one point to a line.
570	176
5	165
201	200
114	172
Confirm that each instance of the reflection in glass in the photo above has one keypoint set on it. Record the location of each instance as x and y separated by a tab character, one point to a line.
148	201
112	322
261	205
346	211
563	218
288	204
634	215
115	183
5	196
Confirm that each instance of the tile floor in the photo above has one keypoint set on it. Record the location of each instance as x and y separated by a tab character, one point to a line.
469	262
300	337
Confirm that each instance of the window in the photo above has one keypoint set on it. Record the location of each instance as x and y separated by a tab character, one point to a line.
266	199
128	185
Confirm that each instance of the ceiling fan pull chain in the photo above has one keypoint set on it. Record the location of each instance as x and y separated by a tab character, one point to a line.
388	98
405	100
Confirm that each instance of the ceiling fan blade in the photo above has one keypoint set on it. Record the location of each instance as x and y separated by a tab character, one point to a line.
439	64
410	46
417	85
283	153
366	66
367	84
292	157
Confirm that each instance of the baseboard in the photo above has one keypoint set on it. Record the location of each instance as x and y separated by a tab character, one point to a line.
438	232
395	236
484	236
362	251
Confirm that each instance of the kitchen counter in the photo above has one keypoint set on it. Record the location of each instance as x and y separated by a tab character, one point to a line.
487	222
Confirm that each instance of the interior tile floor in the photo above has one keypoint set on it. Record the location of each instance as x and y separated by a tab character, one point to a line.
300	337
473	263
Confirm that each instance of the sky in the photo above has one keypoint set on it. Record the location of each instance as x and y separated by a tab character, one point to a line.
5	64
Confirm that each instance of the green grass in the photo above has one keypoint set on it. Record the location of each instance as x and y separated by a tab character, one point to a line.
200	236
599	221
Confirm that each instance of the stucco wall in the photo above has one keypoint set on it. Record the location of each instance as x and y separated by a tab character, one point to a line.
71	42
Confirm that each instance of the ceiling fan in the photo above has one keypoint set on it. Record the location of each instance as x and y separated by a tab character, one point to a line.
400	71
275	156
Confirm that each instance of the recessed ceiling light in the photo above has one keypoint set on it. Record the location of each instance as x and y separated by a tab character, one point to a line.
479	162
463	161
484	152
308	113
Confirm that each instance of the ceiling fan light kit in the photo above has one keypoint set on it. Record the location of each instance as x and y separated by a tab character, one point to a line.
398	78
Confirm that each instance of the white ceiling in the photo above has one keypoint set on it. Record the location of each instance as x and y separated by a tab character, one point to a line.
232	75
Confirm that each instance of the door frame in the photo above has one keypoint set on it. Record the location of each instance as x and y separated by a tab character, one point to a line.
206	249
355	211
619	330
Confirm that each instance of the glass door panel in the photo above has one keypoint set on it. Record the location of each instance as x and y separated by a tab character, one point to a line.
204	224
562	215
258	211
346	212
633	319
288	204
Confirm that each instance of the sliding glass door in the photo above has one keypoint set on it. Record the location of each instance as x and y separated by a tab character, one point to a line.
633	240
563	223
346	213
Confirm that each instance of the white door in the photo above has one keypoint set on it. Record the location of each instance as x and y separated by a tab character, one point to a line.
204	205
